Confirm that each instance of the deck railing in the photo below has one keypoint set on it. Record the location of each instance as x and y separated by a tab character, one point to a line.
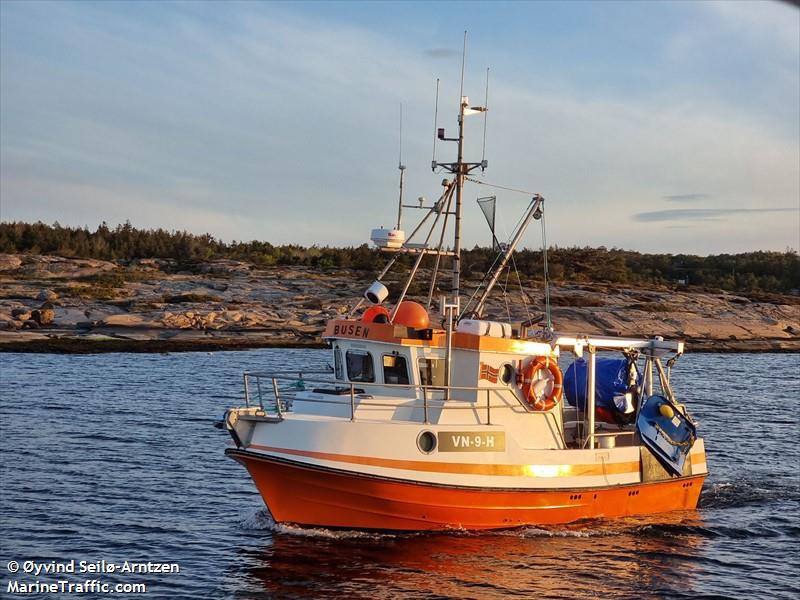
276	392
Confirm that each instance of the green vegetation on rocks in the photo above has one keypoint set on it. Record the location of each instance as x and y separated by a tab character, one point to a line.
751	272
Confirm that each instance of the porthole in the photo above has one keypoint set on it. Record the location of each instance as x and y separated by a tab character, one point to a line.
426	442
506	373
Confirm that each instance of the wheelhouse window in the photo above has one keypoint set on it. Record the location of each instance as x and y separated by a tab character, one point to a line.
431	372
395	369
359	366
337	363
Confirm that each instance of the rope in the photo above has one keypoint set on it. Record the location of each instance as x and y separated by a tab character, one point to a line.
546	275
297	385
439	247
505	295
497	258
523	294
479	286
666	436
500	187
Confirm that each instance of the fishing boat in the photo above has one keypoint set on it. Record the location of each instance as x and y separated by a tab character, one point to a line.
434	416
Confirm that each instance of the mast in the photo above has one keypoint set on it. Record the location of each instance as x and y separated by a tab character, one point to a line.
460	169
459	192
459	180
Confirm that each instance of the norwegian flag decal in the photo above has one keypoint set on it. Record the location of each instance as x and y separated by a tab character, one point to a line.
489	373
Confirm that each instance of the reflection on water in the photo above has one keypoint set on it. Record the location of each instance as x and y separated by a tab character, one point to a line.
636	556
115	457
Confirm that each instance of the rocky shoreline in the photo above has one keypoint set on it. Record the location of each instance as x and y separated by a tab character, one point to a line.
55	304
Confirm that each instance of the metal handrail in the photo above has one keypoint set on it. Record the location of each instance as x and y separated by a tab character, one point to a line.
442	403
376	384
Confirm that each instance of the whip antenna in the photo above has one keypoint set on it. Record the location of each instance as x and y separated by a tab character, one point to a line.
435	125
463	60
402	168
485	112
400	158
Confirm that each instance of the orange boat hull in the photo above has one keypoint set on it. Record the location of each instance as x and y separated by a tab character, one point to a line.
317	496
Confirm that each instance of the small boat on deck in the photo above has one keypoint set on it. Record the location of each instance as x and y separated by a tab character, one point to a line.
458	421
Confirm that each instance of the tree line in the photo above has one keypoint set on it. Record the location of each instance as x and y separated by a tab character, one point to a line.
773	272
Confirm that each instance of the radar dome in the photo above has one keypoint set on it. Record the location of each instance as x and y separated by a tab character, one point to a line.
412	314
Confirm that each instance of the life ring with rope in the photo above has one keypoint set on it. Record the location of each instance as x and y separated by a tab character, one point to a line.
542	393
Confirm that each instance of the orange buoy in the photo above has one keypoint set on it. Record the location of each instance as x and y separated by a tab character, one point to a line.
375	314
411	314
540	397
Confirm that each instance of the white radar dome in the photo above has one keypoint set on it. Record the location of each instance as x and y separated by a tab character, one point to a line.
388	238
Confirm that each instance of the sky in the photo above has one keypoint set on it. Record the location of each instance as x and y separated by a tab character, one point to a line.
651	126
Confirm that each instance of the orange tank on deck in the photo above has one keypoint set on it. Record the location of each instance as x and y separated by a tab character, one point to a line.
375	314
412	314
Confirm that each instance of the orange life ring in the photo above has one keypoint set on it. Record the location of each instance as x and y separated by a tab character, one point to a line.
535	399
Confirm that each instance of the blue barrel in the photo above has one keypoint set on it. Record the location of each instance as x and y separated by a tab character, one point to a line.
611	379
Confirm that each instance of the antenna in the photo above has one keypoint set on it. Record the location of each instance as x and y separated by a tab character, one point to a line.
485	112
435	125
402	168
463	60
400	159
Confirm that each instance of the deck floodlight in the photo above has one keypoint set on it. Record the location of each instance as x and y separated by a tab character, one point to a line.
376	293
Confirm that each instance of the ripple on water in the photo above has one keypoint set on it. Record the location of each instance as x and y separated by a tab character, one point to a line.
741	492
115	456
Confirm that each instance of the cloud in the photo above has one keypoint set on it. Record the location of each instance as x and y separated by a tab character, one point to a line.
761	23
602	157
77	203
702	214
686	197
275	124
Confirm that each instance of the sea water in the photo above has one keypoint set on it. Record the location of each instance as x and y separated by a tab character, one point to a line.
113	459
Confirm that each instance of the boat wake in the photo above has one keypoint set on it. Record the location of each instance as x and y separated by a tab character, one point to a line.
258	519
645	527
673	525
744	492
261	519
